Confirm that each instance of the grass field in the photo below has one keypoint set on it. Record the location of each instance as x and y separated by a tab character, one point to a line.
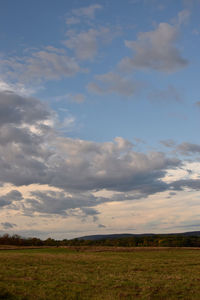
61	273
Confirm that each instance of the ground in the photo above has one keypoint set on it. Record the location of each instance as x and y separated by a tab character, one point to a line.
100	273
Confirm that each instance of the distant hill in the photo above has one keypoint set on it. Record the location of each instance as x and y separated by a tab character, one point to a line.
127	235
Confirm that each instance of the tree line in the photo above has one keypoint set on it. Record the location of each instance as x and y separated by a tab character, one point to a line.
157	240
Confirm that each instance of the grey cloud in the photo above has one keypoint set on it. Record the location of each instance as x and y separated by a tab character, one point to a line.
193	184
168	143
7	225
85	43
101	226
188	148
172	193
166	96
10	197
77	167
82	14
155	50
113	166
87	11
183	16
15	109
72	20
23	152
197	104
89	211
79	98
113	83
53	202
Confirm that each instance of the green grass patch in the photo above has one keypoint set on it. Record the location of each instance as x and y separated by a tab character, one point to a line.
61	273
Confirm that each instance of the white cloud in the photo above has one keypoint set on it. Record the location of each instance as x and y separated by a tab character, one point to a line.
17	88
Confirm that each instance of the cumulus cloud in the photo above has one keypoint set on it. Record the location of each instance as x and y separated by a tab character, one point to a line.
18	110
24	131
112	166
113	83
155	50
32	153
73	170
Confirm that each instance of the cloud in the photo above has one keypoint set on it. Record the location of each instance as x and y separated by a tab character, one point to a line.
101	226
88	11
48	64
79	98
183	16
10	197
168	143
165	96
62	203
188	148
25	126
31	152
193	184
7	225
73	170
155	50
18	110
84	13
17	88
113	83
85	43
72	20
113	166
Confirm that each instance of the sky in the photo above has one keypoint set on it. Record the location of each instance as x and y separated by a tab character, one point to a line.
99	117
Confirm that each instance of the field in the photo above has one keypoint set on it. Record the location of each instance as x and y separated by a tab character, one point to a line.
96	273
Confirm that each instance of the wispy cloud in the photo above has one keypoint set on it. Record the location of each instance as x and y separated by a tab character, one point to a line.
113	82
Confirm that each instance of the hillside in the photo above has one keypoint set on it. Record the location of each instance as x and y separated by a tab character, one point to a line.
127	235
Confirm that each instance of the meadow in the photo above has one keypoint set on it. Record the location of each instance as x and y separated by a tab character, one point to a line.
100	273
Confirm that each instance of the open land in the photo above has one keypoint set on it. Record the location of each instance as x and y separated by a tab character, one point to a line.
100	273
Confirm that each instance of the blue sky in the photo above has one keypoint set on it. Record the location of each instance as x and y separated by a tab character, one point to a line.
100	111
